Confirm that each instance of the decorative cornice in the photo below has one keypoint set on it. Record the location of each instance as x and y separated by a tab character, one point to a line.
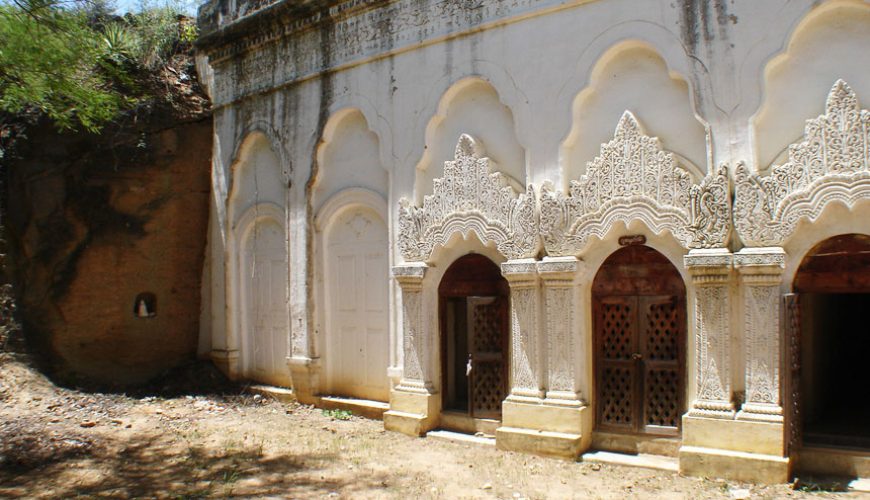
410	273
709	263
520	270
832	163
760	260
634	179
471	197
282	42
556	270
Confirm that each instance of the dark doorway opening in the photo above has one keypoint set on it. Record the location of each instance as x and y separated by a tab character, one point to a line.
639	315
473	307
833	287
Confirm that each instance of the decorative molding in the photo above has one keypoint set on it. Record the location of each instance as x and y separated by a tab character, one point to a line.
412	273
470	198
634	179
273	48
524	318
410	279
711	272
559	278
347	199
709	261
832	163
760	260
761	275
713	349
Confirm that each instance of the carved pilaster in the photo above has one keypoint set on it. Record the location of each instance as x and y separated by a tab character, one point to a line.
711	272
559	279
414	335
760	276
526	352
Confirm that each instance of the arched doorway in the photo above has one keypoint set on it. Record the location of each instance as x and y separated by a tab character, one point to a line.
639	315
473	307
828	368
357	316
264	291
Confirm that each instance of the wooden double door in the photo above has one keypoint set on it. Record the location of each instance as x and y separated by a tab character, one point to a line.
639	310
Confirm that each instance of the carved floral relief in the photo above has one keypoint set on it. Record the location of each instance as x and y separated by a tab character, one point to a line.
470	197
831	163
634	178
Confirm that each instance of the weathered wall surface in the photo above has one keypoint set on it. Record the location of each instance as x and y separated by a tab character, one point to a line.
96	220
575	104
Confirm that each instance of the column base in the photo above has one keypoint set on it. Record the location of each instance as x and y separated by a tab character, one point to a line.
560	431
733	465
741	450
412	413
305	379
766	438
227	361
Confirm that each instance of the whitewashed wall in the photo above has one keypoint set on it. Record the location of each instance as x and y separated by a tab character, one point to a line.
541	84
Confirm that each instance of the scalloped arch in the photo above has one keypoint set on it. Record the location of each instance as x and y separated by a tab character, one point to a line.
633	178
249	133
597	99
830	163
800	68
433	140
470	198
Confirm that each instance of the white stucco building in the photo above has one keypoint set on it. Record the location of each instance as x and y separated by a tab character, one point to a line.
640	226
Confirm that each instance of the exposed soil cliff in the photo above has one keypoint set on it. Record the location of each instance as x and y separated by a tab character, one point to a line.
106	234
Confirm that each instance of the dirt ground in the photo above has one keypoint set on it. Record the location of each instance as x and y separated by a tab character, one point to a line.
60	443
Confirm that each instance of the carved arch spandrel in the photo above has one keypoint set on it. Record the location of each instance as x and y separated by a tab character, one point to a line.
471	197
831	163
633	178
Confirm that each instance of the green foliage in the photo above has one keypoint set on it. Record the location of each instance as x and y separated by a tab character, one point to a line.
76	62
50	61
189	32
338	414
153	34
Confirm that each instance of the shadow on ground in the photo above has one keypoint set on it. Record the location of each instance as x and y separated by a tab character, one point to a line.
159	467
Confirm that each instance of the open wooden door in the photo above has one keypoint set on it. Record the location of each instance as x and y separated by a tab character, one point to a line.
487	349
792	360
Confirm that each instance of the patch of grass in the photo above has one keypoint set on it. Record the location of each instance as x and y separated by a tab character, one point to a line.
338	414
231	476
821	484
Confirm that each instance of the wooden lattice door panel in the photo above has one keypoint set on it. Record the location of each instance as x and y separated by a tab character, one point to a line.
640	362
487	348
662	327
616	406
617	336
792	344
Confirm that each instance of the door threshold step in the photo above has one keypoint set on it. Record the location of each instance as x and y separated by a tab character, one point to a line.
657	462
363	407
458	437
861	484
282	394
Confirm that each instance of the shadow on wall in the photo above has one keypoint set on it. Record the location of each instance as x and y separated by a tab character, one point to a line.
102	230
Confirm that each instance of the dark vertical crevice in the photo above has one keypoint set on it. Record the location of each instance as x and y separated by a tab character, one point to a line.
327	32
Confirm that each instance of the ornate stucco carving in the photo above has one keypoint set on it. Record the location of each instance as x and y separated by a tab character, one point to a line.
470	197
711	275
633	178
414	334
761	275
559	277
524	317
524	349
560	341
832	163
